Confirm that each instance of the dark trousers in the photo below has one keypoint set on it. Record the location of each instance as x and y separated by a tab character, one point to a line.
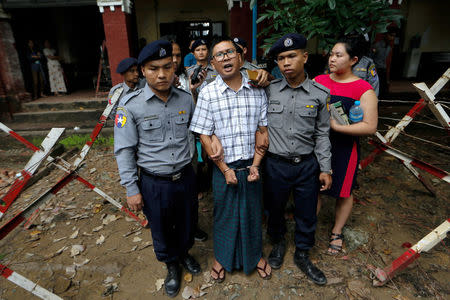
281	178
171	208
38	84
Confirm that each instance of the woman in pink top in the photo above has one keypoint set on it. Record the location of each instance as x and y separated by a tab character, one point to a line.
345	149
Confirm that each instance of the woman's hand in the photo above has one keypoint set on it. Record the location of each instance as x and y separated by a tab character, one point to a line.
254	174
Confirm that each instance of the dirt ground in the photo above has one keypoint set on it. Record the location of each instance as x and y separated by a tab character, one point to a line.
116	259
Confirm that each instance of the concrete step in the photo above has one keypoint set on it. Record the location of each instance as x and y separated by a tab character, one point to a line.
64	105
61	116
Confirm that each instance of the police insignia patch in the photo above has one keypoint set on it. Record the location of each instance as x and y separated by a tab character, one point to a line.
162	52
121	117
288	42
372	71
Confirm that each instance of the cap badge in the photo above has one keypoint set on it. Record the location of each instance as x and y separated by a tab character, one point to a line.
162	52
203	42
288	42
236	40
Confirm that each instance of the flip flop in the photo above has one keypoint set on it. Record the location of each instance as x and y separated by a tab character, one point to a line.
218	279
263	269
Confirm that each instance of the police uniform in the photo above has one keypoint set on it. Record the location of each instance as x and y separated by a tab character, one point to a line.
365	69
211	75
152	135
122	67
299	149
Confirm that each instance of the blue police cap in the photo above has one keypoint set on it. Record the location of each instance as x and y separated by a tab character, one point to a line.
155	50
125	64
240	42
197	43
290	41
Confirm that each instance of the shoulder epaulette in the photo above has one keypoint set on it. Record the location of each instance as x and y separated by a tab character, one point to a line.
276	80
129	96
321	87
115	87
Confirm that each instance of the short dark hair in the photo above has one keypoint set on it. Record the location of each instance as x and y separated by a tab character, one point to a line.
223	39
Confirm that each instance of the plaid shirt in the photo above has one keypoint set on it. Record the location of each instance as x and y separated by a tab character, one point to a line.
232	116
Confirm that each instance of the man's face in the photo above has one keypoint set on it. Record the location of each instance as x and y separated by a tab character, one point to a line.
226	61
176	55
201	53
131	75
159	73
292	63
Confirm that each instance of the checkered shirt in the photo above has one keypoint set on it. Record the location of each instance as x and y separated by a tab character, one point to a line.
232	116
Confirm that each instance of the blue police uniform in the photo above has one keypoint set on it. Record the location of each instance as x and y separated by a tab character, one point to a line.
152	135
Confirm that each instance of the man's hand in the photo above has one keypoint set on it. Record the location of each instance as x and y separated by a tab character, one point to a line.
253	174
325	181
230	177
202	76
262	78
261	143
217	148
135	202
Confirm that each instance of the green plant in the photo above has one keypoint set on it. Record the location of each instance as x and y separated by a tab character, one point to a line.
77	140
325	19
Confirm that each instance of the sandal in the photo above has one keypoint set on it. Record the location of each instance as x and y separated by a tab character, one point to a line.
263	269
218	279
335	237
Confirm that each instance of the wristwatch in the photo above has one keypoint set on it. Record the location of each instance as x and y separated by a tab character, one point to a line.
330	172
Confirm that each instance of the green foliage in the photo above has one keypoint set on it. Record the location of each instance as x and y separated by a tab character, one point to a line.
77	140
325	19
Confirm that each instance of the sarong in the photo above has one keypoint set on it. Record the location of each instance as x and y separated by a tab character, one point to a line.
237	220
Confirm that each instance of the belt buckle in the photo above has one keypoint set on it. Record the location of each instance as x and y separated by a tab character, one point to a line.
296	160
176	176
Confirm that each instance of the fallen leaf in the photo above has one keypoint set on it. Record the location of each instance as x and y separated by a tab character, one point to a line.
78	262
146	245
97	208
58	252
205	286
109	218
74	234
97	228
188	292
35	232
159	283
108	280
188	277
334	280
60	239
100	240
387	251
71	271
110	289
76	249
92	170
136	239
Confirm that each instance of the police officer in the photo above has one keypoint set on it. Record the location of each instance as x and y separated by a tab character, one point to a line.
208	74
151	134
130	74
365	69
264	77
298	158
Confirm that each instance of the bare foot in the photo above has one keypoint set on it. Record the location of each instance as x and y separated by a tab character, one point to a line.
217	272
264	269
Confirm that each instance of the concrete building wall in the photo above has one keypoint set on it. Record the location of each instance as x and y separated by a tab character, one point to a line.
430	20
150	13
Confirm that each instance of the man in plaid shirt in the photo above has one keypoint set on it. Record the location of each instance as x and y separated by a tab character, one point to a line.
233	110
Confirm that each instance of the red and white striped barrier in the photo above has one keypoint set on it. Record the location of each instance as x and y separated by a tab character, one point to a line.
424	245
32	165
439	173
427	99
27	284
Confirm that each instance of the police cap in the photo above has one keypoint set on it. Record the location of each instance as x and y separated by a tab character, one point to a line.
197	43
155	50
240	42
125	64
290	41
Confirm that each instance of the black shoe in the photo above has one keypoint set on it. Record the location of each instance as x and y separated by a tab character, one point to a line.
173	279
277	255
191	265
200	235
301	259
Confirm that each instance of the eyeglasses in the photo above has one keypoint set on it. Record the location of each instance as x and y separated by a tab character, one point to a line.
220	56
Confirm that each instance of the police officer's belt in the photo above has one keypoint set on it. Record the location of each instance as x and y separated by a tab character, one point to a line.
167	177
292	159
